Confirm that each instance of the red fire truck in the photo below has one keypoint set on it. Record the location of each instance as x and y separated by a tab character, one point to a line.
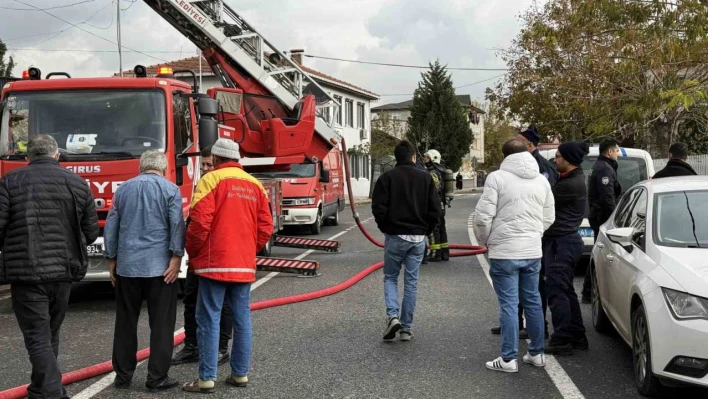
102	125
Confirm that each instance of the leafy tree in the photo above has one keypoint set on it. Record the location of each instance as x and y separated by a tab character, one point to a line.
381	146
5	68
636	70
438	120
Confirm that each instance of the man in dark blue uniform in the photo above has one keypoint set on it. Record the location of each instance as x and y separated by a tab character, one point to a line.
603	194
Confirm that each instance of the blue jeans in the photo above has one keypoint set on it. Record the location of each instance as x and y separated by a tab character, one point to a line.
209	302
508	277
399	252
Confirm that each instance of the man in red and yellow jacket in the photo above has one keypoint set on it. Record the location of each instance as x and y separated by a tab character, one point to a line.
230	221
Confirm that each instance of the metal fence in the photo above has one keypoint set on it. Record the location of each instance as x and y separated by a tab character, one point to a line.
698	162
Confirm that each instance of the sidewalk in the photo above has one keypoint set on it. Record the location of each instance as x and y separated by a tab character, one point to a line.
366	201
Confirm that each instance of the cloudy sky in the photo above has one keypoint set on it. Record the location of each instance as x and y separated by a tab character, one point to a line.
461	33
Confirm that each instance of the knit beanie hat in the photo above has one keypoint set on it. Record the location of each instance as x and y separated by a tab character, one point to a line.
574	152
226	148
531	134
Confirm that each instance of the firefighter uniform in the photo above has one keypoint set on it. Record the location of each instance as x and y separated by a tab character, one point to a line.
439	247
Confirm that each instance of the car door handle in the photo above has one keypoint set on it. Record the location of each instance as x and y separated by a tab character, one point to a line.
610	258
600	245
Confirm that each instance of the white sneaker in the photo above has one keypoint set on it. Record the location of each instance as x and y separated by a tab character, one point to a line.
499	364
538	360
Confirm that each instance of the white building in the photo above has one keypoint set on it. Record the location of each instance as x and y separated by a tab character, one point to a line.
399	113
353	122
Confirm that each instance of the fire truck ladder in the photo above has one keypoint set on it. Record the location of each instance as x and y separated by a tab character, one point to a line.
213	24
307	243
302	267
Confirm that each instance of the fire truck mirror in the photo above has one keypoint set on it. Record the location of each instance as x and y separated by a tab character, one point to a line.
208	131
324	176
208	107
2	106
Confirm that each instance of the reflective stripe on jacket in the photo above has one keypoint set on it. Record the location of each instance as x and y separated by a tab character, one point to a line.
230	221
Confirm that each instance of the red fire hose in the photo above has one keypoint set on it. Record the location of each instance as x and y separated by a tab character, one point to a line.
106	367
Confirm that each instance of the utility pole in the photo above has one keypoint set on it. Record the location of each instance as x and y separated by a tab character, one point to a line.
120	48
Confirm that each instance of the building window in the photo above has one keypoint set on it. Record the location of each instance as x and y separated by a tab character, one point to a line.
338	111
349	113
361	115
324	114
360	166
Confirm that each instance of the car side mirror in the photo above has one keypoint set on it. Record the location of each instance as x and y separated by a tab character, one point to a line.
622	236
324	176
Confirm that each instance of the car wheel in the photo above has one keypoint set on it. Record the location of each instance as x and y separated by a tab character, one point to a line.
267	250
647	383
341	204
599	317
316	228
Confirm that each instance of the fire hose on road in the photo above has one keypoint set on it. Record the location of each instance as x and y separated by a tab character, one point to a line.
107	366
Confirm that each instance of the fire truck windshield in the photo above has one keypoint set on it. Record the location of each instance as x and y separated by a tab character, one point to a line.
85	124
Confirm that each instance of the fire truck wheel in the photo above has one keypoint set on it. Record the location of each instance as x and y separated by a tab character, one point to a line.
334	220
316	228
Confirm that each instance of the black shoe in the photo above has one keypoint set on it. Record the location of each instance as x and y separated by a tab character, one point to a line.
586	299
425	261
558	348
167	383
392	328
445	254
224	356
121	384
580	343
435	259
188	354
496	330
523	334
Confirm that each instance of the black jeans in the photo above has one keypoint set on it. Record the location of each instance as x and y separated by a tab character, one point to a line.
161	301
560	255
40	310
191	289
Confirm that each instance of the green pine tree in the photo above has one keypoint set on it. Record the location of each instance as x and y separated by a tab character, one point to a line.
438	120
5	68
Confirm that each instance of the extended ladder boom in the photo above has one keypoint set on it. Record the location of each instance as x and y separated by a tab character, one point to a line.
242	58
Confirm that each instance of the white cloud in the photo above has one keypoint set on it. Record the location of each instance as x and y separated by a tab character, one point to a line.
458	32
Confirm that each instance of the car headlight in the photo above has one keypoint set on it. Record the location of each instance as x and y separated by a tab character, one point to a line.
305	201
686	306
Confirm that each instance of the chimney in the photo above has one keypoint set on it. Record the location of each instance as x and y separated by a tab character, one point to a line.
296	55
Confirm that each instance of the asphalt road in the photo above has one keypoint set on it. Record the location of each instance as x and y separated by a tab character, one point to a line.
332	347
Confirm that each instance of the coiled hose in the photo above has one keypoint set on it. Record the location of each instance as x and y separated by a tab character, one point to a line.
107	366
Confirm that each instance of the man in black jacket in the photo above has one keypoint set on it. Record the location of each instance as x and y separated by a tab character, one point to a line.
604	191
562	249
47	218
406	207
677	165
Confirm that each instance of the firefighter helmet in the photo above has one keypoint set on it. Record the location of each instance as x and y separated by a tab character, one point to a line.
434	156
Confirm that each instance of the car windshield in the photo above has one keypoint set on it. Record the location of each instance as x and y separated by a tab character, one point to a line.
85	124
630	170
296	170
677	220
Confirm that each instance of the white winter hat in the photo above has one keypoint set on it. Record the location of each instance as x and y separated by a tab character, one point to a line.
225	148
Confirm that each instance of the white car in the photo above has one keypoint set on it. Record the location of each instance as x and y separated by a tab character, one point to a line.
650	280
634	165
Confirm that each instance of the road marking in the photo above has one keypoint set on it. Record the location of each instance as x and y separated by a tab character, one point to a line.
106	381
5	297
560	378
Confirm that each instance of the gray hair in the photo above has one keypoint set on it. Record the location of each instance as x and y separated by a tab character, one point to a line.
42	145
153	160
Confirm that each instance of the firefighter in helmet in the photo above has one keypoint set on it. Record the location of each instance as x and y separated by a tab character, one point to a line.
439	247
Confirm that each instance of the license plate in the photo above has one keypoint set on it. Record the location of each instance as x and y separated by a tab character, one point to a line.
94	250
585	232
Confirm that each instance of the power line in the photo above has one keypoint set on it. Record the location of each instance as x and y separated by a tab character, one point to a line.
48	8
458	87
94	51
91	33
403	66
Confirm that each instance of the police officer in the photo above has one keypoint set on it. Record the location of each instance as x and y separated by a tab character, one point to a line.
603	193
439	247
532	137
